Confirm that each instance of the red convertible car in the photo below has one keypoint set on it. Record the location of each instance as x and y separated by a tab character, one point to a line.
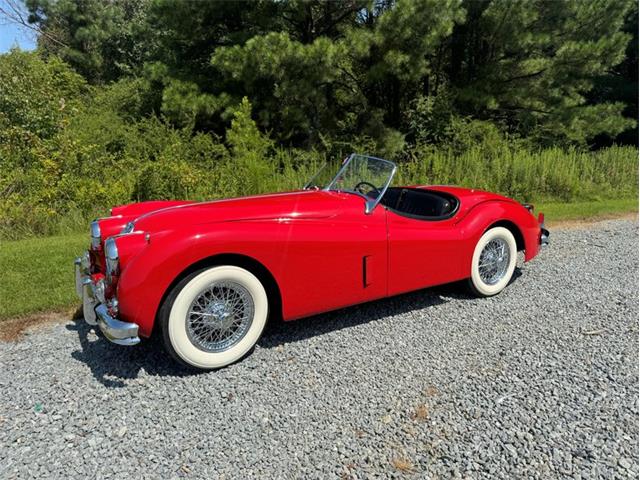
207	276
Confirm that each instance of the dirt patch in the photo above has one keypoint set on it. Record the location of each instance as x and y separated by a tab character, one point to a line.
590	222
13	329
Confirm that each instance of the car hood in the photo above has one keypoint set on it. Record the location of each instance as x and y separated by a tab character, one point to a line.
279	206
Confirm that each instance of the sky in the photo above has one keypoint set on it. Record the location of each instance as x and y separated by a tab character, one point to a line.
12	34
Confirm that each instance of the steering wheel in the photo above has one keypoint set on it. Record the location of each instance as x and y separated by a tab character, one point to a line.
374	189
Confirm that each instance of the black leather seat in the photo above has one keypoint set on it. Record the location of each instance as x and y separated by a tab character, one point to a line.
420	203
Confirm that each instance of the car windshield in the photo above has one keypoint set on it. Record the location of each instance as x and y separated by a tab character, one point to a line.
362	175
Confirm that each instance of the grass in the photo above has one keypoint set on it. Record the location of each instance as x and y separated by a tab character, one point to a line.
37	273
562	211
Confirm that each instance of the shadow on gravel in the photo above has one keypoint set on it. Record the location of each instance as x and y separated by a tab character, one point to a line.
288	332
304	328
112	365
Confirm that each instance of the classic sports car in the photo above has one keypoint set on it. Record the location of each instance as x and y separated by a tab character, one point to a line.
207	275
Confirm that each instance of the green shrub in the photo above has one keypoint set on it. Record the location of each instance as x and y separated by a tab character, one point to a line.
35	95
526	174
166	179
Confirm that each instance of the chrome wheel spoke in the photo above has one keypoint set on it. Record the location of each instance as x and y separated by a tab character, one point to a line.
494	261
220	316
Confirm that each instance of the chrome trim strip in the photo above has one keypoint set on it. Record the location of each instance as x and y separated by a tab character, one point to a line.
82	264
78	275
128	228
208	202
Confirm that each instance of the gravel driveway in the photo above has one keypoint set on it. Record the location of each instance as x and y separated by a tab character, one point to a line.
539	382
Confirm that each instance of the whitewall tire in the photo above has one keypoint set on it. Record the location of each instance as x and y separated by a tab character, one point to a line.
493	263
214	316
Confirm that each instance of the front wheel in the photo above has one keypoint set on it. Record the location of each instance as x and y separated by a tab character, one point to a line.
493	262
213	317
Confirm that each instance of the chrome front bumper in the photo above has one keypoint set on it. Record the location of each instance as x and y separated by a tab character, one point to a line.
95	309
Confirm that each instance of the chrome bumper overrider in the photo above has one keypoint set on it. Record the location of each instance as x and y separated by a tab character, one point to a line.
95	310
544	236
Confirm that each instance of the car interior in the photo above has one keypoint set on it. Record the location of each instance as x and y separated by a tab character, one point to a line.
420	204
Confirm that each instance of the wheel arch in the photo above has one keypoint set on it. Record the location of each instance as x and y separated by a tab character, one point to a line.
250	264
513	228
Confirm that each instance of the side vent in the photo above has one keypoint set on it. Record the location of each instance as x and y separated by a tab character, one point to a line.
366	271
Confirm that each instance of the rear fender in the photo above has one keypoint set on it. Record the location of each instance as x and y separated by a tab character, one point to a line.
483	215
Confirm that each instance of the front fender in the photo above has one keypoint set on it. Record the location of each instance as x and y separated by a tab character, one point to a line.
148	275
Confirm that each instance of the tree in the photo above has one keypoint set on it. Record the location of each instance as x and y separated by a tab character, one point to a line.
102	40
620	84
530	65
298	90
315	71
394	50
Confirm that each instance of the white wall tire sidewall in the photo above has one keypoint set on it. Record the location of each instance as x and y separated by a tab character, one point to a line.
482	287
177	326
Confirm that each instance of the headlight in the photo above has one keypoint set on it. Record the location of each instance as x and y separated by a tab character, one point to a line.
95	235
112	260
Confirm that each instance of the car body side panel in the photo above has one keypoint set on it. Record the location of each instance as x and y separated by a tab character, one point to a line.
332	263
423	253
318	264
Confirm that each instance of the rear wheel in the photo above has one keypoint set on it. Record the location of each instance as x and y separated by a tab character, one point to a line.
214	316
493	262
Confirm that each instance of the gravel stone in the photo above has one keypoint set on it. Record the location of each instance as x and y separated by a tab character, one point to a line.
538	382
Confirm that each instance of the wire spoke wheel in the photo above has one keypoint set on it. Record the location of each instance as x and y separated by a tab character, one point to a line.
219	316
494	261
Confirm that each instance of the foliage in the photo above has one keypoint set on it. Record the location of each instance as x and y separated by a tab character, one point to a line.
329	72
527	175
37	96
107	152
101	40
535	62
132	100
620	83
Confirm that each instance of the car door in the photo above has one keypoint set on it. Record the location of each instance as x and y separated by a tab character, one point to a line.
334	262
422	253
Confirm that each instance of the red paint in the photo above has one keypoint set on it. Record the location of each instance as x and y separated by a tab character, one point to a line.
321	248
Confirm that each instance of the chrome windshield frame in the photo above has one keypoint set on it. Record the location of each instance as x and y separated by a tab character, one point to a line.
370	203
